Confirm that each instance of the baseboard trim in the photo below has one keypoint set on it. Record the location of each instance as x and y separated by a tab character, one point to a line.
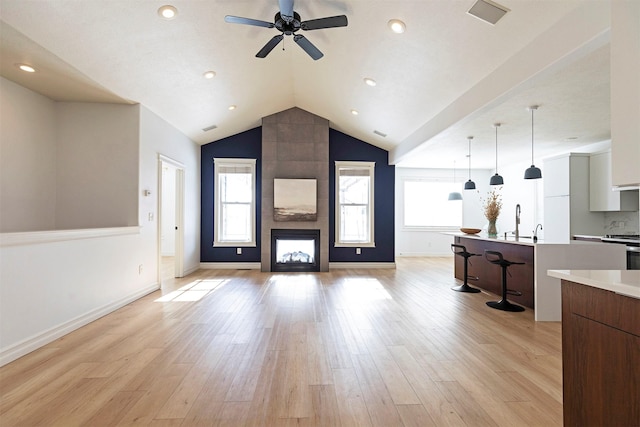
424	254
339	265
35	342
230	265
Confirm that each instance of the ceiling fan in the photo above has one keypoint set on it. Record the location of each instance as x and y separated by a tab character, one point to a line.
288	22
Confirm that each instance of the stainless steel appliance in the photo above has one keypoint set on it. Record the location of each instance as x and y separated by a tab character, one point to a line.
633	247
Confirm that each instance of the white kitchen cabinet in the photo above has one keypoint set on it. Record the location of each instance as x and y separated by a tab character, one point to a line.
625	87
566	199
602	198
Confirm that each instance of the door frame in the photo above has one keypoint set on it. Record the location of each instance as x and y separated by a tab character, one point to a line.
179	214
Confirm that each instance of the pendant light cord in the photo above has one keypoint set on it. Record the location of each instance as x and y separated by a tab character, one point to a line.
496	126
469	158
532	110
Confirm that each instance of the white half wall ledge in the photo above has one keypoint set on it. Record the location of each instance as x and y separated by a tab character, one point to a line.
30	344
49	236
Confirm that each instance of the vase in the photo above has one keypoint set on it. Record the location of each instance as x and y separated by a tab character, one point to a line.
492	230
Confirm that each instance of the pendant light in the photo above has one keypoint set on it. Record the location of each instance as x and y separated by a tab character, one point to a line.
496	179
455	195
469	185
532	172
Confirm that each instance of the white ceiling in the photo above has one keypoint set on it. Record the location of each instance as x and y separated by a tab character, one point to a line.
450	75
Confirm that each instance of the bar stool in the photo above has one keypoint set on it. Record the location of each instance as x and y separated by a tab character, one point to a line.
462	251
495	257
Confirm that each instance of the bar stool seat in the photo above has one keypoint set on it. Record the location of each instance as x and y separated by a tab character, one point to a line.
495	257
461	250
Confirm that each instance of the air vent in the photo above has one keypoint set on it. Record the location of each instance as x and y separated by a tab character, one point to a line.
208	128
488	11
377	132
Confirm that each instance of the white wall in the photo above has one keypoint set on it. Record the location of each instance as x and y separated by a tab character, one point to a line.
52	282
97	165
27	159
158	137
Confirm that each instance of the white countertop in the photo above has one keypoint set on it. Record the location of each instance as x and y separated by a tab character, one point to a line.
527	241
623	282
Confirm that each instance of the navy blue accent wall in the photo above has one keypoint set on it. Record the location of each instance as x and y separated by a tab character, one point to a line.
346	148
245	145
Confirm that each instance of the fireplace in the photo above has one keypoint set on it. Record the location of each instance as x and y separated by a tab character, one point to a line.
295	250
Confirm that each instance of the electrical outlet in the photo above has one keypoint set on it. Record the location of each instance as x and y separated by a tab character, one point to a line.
150	216
239	251
358	251
140	269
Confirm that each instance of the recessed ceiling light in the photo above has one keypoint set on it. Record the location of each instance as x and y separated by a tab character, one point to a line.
397	26
354	112
26	68
232	107
168	12
369	81
209	74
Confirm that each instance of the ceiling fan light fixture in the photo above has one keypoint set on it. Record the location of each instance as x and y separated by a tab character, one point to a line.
532	172
167	12
397	26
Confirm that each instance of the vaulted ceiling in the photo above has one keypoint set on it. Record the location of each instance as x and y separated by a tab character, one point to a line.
448	76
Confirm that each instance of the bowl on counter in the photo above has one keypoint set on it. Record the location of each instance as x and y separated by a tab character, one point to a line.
470	230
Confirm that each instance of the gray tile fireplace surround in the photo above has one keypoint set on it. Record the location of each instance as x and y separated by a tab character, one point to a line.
295	144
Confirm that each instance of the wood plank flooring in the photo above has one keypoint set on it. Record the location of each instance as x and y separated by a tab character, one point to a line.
346	348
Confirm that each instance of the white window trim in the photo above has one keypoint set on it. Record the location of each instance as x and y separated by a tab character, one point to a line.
218	162
363	165
432	228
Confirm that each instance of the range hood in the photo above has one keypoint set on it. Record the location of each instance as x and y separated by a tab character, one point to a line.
625	187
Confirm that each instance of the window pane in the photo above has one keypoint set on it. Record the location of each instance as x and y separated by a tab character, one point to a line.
236	222
354	189
235	187
354	225
426	204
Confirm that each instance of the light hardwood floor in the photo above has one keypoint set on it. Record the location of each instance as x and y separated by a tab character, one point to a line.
346	348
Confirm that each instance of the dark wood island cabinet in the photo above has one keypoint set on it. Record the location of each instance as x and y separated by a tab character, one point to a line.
600	356
520	278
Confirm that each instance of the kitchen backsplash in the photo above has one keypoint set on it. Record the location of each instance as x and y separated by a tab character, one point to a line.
621	222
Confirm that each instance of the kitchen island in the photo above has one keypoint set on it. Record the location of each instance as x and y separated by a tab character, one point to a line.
600	346
540	291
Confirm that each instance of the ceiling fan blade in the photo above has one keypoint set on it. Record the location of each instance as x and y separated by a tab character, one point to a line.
247	21
286	10
308	47
330	22
269	46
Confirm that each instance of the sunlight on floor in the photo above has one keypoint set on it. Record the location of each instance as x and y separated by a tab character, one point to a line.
193	291
362	290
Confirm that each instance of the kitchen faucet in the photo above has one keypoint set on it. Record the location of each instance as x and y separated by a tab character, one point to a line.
535	233
517	221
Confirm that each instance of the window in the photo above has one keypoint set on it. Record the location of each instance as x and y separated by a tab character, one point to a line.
235	202
354	204
426	204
